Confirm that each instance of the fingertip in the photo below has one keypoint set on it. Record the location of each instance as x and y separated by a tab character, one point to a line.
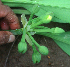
4	24
11	38
14	26
6	37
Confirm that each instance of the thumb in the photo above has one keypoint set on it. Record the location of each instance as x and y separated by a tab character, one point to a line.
6	37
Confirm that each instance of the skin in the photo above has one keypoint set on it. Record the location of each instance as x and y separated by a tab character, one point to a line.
8	20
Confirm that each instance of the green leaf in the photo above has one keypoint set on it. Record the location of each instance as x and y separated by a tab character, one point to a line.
28	40
58	3
62	38
24	20
65	47
17	31
61	11
60	8
35	8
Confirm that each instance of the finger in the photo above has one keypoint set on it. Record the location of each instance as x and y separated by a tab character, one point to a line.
0	2
9	15
6	37
12	19
4	24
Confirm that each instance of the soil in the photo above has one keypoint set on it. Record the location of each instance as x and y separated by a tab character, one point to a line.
55	58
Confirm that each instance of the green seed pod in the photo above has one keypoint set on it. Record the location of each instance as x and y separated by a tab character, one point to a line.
36	57
43	50
22	47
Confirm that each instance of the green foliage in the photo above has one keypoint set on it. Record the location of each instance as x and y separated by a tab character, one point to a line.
24	20
61	9
64	46
43	19
17	31
62	40
46	10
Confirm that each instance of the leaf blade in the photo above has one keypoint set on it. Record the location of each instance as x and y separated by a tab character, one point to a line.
65	47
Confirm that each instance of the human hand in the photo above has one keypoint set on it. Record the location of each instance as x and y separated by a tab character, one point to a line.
8	20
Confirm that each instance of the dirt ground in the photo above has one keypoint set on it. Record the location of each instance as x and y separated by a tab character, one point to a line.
58	58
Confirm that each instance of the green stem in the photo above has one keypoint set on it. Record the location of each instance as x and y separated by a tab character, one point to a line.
36	24
14	4
20	11
35	9
44	30
23	36
16	32
41	27
34	48
33	39
30	19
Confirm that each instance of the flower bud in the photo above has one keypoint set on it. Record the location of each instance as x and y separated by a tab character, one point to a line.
36	57
22	47
47	17
43	50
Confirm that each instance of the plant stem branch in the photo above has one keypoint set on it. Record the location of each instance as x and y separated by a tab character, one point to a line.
44	30
23	36
33	39
20	11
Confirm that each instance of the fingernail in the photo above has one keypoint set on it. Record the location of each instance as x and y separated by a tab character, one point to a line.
11	38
